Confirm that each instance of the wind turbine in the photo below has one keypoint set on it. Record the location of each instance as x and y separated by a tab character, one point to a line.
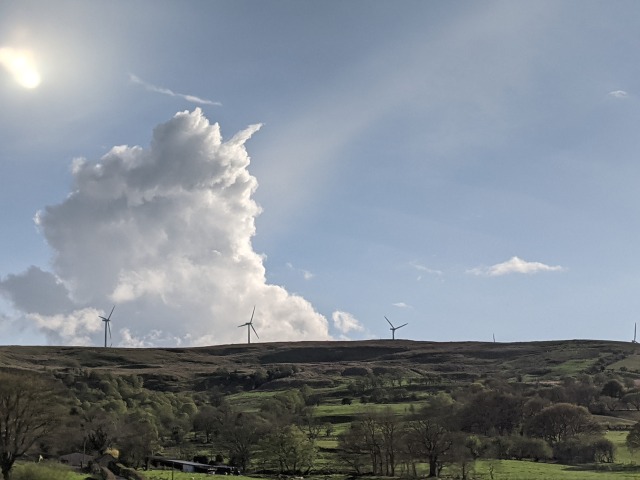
107	326
635	327
249	326
393	329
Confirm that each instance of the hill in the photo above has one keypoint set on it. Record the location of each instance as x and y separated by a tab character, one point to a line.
278	365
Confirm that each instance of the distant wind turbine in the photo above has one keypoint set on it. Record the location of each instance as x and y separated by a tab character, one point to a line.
249	326
107	326
393	329
635	328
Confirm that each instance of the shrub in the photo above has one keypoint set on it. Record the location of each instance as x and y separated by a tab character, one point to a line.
531	448
584	450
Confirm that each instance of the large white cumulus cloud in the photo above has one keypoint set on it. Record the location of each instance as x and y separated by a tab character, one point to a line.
165	234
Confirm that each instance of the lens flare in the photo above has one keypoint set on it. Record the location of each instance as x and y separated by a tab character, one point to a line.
20	64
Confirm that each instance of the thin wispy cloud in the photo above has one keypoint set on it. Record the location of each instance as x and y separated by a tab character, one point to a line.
165	91
306	274
618	94
425	270
401	305
514	265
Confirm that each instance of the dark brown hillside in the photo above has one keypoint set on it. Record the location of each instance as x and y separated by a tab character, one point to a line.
315	362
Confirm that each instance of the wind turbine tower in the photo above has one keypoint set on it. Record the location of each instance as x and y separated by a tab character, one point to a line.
249	326
635	329
107	326
393	329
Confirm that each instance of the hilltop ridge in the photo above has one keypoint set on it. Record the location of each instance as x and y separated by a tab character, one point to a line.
311	362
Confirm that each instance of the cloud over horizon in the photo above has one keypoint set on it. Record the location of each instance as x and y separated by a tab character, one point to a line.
165	234
345	322
514	265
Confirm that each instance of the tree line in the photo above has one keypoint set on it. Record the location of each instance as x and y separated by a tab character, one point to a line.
88	411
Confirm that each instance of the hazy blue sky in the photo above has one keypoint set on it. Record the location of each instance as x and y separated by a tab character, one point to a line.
468	168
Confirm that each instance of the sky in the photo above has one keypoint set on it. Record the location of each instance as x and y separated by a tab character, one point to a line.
470	169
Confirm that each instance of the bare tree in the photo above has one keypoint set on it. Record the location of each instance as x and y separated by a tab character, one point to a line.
28	412
434	441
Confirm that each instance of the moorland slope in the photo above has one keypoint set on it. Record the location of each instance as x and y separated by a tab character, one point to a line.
312	363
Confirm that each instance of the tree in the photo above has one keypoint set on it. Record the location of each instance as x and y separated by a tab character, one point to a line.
430	431
101	429
389	427
434	441
613	388
351	449
489	411
535	449
28	411
463	454
584	449
242	432
139	438
633	399
290	448
208	420
556	423
633	438
380	437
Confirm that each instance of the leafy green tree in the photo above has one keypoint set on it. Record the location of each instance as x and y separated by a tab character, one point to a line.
284	407
584	449
556	423
633	438
535	449
290	449
241	434
101	429
29	410
209	421
490	411
138	438
463	454
613	388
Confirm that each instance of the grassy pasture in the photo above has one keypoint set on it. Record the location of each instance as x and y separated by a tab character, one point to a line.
631	363
44	471
176	475
336	409
522	470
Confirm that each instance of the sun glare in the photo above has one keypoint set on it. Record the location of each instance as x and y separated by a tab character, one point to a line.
20	64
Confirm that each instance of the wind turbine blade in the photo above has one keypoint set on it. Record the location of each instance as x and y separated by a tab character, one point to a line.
103	319
254	311
402	325
254	330
389	322
114	307
109	326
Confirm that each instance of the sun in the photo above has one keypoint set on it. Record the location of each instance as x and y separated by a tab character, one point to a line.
21	65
